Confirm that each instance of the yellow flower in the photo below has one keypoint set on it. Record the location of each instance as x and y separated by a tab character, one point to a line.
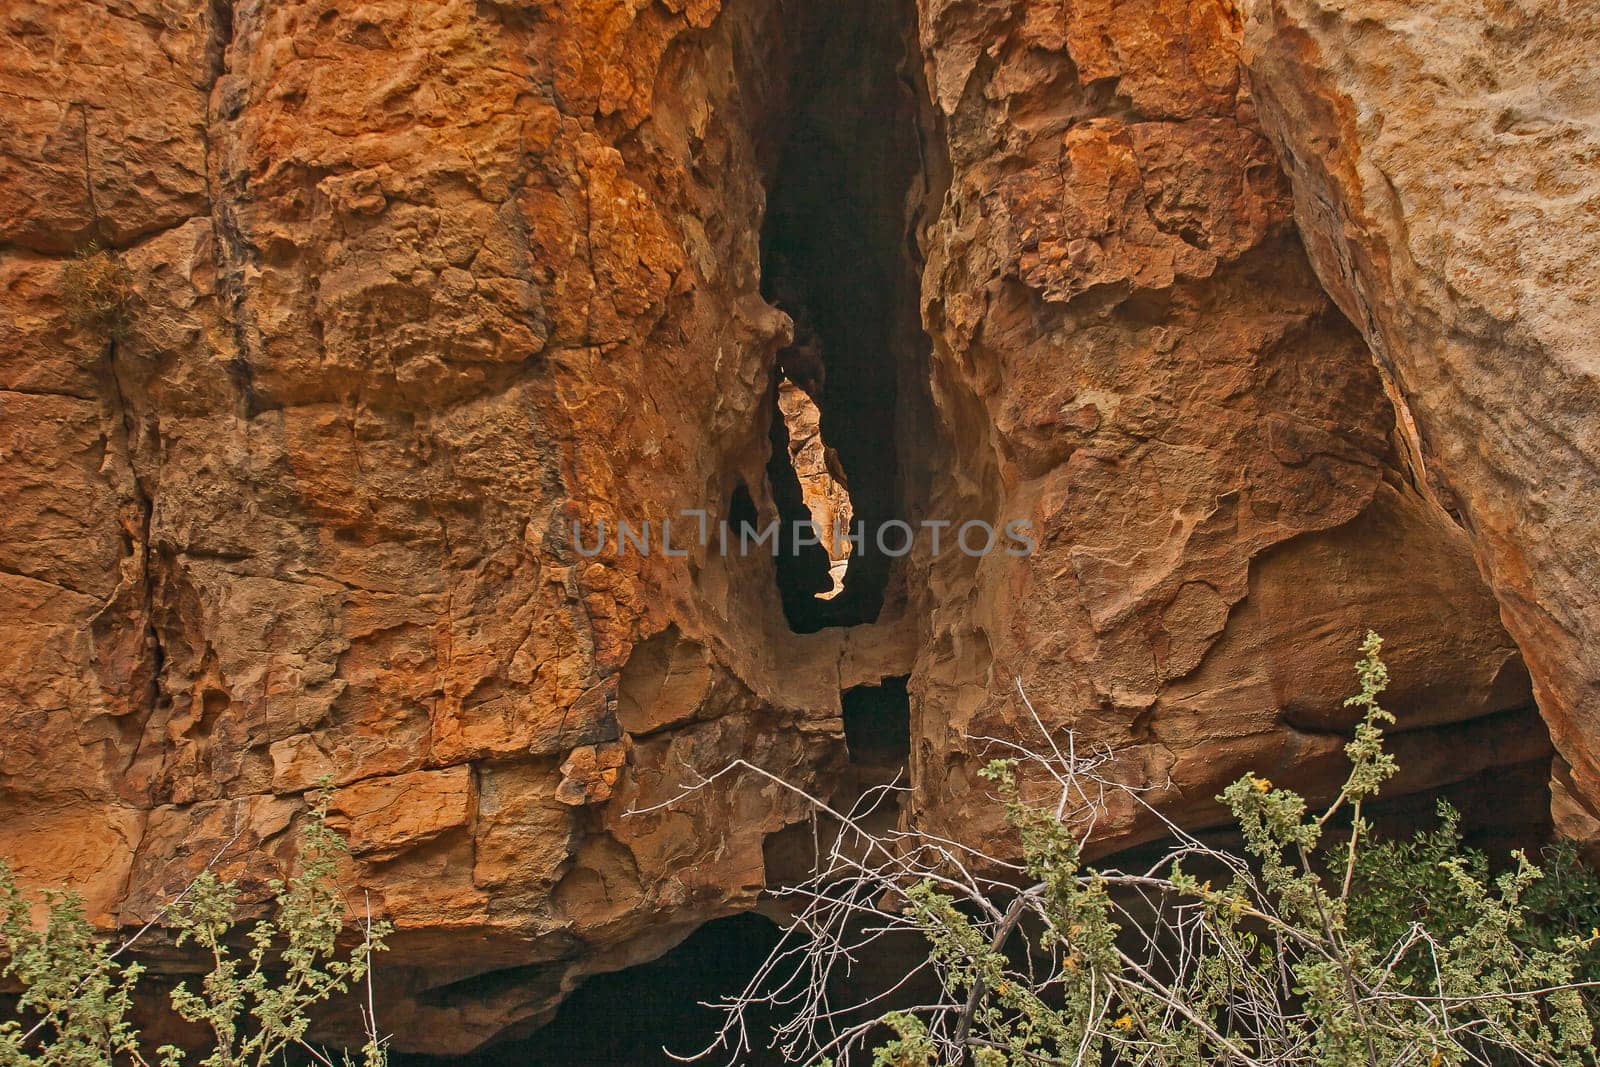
1435	1060
1263	785
1124	1023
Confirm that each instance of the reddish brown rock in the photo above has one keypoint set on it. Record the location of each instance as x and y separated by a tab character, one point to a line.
414	288
1444	160
589	774
1121	307
397	306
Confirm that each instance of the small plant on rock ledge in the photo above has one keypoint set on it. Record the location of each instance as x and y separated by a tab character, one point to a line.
97	287
1309	947
77	991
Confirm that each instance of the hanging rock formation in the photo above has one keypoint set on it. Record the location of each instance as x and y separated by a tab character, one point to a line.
334	334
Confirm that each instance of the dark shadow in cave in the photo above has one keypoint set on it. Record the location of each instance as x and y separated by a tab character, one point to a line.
835	257
629	1016
877	725
802	567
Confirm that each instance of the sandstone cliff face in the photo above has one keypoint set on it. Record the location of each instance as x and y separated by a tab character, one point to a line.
399	311
400	292
1132	351
1445	156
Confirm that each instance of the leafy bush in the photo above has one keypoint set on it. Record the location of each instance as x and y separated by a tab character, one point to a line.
77	991
1399	883
1314	946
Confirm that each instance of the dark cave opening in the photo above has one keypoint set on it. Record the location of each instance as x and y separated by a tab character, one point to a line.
631	1016
877	725
836	258
840	142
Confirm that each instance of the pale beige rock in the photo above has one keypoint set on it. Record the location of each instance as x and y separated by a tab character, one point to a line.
827	497
1445	157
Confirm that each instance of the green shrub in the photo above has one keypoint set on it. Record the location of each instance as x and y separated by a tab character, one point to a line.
1315	946
77	991
1398	883
1357	953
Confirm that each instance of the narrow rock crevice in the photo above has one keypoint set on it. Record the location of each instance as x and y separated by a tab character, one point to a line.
836	260
225	189
221	39
137	539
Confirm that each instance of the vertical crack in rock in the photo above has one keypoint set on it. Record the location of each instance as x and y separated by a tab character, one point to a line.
835	259
226	98
138	541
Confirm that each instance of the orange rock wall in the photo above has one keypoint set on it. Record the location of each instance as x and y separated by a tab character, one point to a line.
1131	350
400	291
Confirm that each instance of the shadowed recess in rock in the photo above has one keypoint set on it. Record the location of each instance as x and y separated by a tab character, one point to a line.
877	725
632	1016
835	259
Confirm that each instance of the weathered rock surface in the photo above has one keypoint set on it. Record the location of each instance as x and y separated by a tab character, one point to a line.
404	291
1131	350
1446	163
410	289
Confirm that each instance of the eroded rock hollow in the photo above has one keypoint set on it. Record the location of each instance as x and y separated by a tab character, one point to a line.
338	336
